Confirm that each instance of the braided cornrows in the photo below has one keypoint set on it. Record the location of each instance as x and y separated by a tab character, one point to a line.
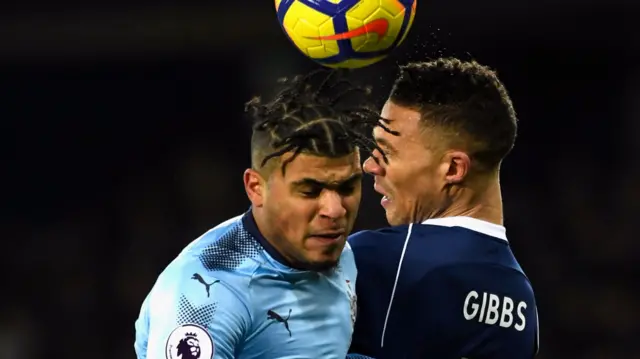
321	113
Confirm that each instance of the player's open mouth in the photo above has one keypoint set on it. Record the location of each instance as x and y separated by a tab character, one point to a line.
385	199
330	237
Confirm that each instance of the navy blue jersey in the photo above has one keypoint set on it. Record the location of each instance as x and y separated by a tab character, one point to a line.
448	288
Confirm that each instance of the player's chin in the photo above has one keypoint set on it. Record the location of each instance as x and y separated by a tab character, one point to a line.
324	256
390	214
322	264
396	218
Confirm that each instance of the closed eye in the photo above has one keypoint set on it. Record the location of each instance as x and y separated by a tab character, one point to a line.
311	193
311	188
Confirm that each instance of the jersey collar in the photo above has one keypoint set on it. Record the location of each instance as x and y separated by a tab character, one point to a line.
249	223
474	224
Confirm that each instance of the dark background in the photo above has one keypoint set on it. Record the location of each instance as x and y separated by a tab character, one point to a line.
123	140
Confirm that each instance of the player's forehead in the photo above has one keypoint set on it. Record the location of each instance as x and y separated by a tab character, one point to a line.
403	120
323	169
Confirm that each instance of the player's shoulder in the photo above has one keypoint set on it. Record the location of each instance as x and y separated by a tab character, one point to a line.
375	237
434	233
187	282
395	236
227	247
214	234
186	296
226	253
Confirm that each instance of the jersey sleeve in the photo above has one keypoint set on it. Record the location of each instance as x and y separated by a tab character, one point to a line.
196	312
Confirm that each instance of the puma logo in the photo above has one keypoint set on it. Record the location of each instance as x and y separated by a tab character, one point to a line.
278	318
207	286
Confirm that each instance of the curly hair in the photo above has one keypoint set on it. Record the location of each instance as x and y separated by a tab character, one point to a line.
321	113
464	98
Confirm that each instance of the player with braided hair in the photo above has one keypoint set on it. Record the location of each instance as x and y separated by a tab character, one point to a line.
279	280
312	133
313	110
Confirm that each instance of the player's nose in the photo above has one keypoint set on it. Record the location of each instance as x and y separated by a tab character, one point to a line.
332	206
372	167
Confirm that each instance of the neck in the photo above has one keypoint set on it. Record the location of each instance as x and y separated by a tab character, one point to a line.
482	202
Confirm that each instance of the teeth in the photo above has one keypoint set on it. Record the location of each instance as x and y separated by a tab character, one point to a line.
385	197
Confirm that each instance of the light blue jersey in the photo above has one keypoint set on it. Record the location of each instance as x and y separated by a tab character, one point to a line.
228	295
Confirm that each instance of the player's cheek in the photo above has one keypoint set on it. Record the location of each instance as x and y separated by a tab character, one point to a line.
352	203
294	224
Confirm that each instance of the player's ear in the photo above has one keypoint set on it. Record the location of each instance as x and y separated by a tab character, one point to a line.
254	186
459	164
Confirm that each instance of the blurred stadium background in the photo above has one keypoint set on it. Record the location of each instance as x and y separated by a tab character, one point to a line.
124	140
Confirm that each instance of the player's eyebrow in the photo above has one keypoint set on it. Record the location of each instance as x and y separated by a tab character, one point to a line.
314	182
386	121
384	143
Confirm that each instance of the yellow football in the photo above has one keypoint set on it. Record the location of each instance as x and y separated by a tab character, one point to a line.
346	33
